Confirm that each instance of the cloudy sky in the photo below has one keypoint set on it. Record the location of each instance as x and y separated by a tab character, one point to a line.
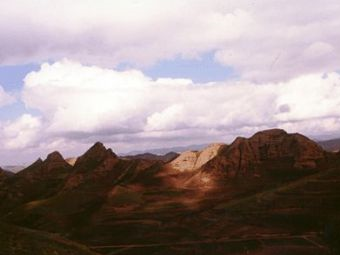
138	74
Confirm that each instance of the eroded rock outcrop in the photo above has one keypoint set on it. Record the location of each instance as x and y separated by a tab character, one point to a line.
269	149
193	160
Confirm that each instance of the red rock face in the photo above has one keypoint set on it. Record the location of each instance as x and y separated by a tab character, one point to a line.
96	153
39	180
270	149
55	157
53	166
100	169
95	162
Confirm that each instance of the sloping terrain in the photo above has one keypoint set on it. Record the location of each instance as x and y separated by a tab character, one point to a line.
301	217
5	174
39	181
21	241
273	193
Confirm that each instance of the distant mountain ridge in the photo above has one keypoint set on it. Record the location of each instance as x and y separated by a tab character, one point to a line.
162	151
331	145
13	168
149	156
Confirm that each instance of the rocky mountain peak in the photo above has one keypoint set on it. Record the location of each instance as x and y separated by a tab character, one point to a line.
54	157
288	151
111	153
96	153
270	133
96	150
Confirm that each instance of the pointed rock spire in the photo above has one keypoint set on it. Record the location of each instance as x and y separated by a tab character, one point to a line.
54	157
96	153
97	149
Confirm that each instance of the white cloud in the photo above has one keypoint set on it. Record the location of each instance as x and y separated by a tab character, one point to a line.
285	55
286	40
263	40
318	50
128	109
109	32
21	133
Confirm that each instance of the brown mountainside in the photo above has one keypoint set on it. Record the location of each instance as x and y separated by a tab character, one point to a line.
105	200
267	150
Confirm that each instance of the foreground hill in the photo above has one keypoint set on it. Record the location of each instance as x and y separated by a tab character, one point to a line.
21	241
224	200
299	217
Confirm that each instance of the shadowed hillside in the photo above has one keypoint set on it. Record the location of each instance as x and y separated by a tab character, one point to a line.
272	193
17	240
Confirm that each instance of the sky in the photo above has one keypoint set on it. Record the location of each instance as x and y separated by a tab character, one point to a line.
144	74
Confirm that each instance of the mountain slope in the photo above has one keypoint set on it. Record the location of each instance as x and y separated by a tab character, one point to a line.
107	201
5	174
270	150
21	241
38	181
89	187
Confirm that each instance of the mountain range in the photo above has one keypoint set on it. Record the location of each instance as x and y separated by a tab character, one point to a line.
271	193
168	153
